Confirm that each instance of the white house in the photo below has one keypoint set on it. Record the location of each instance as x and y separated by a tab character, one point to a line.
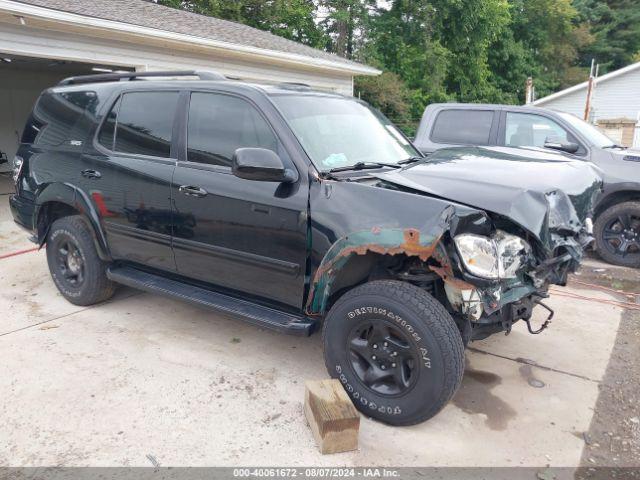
43	41
615	103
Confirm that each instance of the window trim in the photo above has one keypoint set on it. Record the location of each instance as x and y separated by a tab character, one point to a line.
493	129
183	142
172	159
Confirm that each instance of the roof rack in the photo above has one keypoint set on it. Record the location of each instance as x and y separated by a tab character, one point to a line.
111	77
294	86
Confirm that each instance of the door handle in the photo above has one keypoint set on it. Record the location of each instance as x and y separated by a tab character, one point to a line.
91	173
192	191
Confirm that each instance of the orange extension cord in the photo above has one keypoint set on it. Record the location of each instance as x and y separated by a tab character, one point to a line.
628	305
555	290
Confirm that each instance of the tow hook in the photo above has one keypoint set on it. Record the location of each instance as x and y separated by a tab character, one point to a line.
546	322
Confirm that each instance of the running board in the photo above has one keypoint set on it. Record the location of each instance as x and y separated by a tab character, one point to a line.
253	313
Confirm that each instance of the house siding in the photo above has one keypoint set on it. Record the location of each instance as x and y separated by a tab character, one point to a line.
618	97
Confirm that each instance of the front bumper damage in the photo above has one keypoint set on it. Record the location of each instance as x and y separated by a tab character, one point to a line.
488	307
351	224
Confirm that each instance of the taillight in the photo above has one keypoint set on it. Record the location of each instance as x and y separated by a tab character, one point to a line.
18	162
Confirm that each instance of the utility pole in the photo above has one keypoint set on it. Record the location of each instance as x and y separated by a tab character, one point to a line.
528	96
593	75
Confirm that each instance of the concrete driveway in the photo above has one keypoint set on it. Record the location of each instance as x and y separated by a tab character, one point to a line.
142	375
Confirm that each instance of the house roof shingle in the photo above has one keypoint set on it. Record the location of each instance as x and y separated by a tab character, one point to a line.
151	15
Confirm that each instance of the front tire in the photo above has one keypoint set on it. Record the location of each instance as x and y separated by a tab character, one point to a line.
617	232
74	263
395	349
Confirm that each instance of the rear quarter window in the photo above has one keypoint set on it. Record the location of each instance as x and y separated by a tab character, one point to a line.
61	119
462	127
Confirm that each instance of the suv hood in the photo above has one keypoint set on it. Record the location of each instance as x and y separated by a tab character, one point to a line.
547	194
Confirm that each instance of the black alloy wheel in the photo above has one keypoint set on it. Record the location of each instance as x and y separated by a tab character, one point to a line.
622	234
382	357
617	232
70	263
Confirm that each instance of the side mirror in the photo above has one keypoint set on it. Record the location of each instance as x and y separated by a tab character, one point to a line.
260	164
556	143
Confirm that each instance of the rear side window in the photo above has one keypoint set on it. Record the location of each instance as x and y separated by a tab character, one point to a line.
466	127
219	124
141	123
61	119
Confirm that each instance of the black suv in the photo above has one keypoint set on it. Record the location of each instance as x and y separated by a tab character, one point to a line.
293	208
617	209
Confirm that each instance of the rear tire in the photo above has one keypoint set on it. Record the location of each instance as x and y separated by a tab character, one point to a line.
395	349
75	266
617	232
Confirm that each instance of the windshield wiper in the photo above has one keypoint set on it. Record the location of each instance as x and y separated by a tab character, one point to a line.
615	145
410	160
363	166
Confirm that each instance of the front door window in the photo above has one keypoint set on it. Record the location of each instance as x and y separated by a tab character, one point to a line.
527	130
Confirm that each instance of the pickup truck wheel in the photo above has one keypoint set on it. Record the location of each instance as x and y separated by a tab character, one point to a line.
395	349
617	232
74	263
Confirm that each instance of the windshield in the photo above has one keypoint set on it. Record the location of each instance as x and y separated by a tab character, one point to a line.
591	133
341	132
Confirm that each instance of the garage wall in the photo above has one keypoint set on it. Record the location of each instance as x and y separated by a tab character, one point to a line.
19	90
40	42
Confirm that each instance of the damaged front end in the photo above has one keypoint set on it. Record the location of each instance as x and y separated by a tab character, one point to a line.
487	269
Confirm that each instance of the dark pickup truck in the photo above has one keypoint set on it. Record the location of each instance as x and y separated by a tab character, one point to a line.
617	209
296	209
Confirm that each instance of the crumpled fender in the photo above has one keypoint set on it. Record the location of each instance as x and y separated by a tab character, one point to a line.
386	241
353	219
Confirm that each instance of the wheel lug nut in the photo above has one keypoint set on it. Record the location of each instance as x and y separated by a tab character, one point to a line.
373	357
393	365
385	344
375	345
383	367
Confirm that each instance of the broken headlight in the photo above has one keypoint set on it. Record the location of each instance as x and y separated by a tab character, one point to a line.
498	256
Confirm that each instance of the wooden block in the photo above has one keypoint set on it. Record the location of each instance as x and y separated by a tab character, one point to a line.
332	417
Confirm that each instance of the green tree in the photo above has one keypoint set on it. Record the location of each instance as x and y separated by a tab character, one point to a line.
388	93
467	28
615	25
346	24
292	19
542	41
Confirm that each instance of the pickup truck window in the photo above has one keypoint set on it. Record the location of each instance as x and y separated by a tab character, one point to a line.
528	130
339	132
144	123
462	127
220	124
